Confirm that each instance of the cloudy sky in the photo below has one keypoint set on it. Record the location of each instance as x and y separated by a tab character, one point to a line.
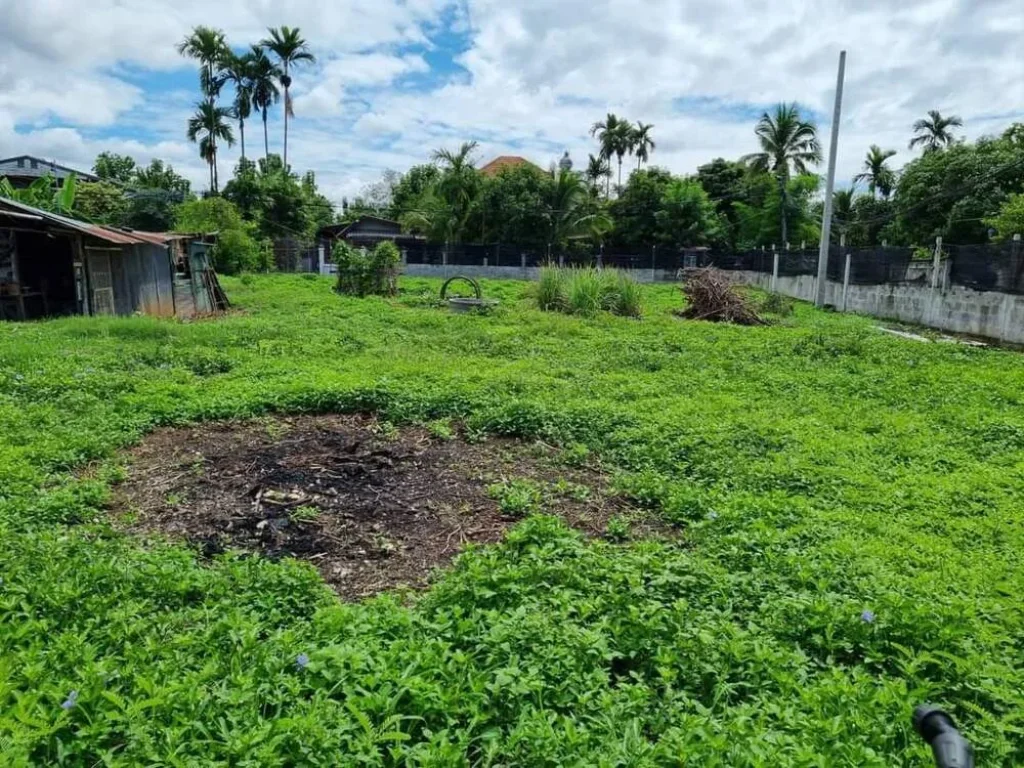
398	78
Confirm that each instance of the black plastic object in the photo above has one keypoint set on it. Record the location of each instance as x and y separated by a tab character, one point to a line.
470	280
951	750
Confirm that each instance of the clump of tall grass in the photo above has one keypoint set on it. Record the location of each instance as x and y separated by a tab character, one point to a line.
587	291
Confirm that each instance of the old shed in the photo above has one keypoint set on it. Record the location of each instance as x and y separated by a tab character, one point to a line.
56	265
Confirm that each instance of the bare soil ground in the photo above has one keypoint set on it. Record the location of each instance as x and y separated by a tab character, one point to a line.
372	508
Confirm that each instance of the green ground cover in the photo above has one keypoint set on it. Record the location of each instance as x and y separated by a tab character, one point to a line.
850	503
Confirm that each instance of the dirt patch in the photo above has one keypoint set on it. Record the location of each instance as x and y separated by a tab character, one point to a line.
373	508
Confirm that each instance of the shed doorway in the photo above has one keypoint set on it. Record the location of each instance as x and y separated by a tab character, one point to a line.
45	277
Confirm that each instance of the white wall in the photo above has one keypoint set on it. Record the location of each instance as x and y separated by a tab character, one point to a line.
953	308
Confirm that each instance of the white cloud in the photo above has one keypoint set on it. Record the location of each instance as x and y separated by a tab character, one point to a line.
532	77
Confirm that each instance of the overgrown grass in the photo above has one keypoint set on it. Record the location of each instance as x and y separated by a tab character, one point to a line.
587	291
851	545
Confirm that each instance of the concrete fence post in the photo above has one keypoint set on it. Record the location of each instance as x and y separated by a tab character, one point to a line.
775	272
934	298
561	259
522	263
405	257
654	262
485	261
600	257
846	281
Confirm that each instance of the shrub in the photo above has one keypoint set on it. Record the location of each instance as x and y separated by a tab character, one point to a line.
587	291
777	304
362	273
551	289
237	249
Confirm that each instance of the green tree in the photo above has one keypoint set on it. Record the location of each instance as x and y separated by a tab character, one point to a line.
237	249
933	132
208	47
158	175
455	191
263	74
206	126
290	48
1010	219
119	169
613	136
789	144
102	202
236	70
634	212
410	187
570	210
950	193
642	143
597	169
879	177
726	183
760	221
687	217
842	212
513	207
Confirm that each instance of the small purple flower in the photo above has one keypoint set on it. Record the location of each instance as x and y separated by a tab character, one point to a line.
302	661
868	617
71	700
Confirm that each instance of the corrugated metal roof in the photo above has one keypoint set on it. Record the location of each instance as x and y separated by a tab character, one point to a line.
107	234
28	167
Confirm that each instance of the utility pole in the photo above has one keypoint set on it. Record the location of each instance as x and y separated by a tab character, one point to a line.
826	215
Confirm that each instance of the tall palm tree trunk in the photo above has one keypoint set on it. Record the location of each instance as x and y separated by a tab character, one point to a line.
216	174
241	131
287	104
266	138
213	136
620	171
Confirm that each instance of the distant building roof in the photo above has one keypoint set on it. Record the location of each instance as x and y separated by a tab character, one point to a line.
368	228
498	164
28	167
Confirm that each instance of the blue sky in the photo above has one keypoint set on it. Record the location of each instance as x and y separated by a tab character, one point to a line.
399	78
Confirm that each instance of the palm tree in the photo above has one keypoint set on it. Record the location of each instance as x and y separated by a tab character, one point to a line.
566	211
643	144
933	132
263	74
237	71
597	169
455	190
786	141
290	48
842	208
878	176
611	133
206	126
207	46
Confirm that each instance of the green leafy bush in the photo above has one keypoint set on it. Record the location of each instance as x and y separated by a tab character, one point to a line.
237	249
362	273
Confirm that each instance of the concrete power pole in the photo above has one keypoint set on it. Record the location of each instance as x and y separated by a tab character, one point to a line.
826	216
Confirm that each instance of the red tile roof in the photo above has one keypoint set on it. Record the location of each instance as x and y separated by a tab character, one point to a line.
498	164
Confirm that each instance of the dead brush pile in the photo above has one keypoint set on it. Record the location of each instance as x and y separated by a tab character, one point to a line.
711	295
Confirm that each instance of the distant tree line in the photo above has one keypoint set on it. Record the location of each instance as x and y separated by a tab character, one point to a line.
965	192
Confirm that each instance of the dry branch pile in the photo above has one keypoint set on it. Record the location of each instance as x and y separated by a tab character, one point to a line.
711	295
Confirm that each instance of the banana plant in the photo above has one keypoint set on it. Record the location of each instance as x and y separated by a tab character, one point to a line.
41	193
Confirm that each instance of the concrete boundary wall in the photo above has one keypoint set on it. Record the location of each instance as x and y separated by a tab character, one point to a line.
953	308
